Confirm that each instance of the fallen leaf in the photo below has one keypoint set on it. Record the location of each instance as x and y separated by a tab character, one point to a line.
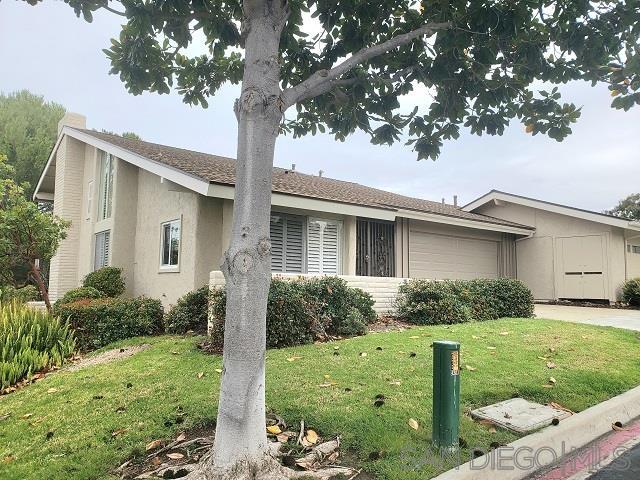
156	461
543	358
475	337
492	430
175	455
491	348
181	437
174	353
504	334
52	390
470	368
551	365
274	429
414	336
153	445
4	416
117	432
312	437
337	347
551	349
413	424
26	415
283	437
552	380
8	459
293	359
395	382
200	374
363	354
547	386
218	370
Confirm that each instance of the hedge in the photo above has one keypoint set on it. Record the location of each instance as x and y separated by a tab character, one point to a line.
427	302
28	293
76	294
98	322
631	292
298	311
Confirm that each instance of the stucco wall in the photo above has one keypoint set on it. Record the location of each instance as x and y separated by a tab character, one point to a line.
537	256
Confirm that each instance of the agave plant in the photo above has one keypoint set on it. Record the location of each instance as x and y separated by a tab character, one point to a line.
31	341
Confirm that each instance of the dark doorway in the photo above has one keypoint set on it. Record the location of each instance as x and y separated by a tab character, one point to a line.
375	248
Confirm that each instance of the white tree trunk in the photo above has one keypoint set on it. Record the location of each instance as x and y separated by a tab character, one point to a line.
240	440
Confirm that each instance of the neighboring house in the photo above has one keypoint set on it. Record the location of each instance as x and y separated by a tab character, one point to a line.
164	215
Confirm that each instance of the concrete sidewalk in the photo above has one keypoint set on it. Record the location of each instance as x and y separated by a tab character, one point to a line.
606	317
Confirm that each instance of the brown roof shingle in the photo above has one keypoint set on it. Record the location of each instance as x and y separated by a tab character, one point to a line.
221	170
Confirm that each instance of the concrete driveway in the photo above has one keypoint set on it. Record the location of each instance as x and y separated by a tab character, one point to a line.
607	317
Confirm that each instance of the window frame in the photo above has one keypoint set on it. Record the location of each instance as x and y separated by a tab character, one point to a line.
169	268
284	216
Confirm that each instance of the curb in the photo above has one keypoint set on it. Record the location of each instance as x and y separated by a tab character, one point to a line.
526	455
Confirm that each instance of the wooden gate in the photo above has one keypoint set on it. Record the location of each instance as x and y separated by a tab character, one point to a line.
375	248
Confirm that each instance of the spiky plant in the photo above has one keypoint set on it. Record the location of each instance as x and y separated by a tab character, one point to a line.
31	341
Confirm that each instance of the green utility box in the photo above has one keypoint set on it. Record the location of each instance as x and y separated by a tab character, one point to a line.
446	395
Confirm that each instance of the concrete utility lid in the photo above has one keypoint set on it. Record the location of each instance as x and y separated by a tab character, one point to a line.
519	415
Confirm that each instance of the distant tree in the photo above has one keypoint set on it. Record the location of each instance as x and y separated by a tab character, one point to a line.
627	207
343	66
131	135
28	235
28	131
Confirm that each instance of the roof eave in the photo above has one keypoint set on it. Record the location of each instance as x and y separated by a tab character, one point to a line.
466	222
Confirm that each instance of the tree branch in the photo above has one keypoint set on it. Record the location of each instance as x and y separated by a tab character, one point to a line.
323	80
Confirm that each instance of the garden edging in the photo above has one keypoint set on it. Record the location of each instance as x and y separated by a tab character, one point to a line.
521	458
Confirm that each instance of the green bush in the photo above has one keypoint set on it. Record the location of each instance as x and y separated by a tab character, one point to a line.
426	302
353	324
631	292
75	294
189	313
30	341
28	293
98	322
107	280
337	300
293	318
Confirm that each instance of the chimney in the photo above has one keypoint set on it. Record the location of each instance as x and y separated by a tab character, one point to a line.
71	119
443	201
293	167
320	173
455	200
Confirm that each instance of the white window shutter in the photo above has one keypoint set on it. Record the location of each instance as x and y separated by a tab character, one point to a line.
323	247
314	247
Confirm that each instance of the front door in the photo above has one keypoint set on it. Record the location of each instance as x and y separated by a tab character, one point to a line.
375	248
582	263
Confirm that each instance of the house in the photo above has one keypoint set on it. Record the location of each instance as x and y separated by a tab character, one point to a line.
164	214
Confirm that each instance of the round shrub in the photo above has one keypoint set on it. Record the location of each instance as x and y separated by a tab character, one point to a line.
293	318
353	324
425	302
337	299
107	280
631	292
98	322
189	313
78	294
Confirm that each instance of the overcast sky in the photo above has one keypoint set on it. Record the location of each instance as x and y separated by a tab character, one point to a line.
49	51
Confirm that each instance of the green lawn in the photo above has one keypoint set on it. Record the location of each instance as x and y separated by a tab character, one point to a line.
79	416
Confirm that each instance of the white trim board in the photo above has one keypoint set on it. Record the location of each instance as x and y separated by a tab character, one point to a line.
499	197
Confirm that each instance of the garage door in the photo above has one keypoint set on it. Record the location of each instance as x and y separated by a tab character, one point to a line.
449	257
581	262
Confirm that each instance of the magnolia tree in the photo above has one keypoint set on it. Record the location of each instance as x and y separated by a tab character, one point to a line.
338	67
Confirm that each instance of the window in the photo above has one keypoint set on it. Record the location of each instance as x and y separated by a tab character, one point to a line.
287	243
170	248
106	185
89	199
101	252
324	246
635	248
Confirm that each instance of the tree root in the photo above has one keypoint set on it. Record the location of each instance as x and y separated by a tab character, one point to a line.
268	469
